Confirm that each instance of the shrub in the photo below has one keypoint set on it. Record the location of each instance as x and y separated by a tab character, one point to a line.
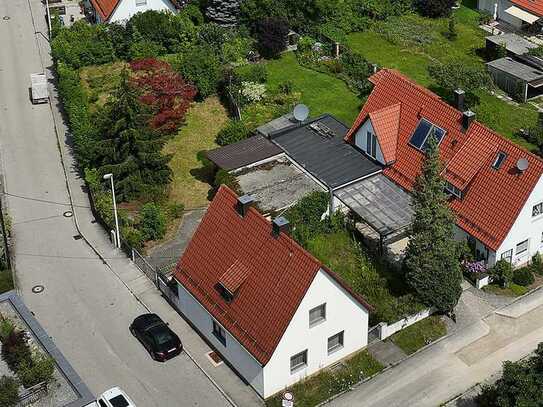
272	36
9	392
286	87
434	8
82	44
537	264
6	328
235	130
15	350
146	49
133	237
152	222
202	67
175	210
451	29
484	17
502	272
193	13
523	276
223	177
358	70
256	73
39	369
253	92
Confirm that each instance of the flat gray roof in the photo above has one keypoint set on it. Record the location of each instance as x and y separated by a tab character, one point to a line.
513	43
280	123
276	184
318	145
379	202
244	152
516	69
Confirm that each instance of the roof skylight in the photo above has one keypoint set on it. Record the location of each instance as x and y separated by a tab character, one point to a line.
420	136
500	158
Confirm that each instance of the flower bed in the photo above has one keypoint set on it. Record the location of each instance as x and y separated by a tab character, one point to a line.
24	363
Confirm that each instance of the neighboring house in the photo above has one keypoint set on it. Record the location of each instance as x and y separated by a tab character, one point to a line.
521	14
273	311
120	11
495	186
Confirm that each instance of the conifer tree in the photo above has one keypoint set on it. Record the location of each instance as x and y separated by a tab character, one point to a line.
128	147
431	261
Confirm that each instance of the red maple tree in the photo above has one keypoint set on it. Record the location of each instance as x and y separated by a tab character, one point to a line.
168	94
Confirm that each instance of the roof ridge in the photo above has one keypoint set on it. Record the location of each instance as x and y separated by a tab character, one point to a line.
290	240
428	92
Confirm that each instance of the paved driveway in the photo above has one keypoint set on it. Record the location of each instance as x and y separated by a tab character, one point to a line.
458	362
85	307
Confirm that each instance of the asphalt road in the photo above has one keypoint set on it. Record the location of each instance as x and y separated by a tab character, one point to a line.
85	307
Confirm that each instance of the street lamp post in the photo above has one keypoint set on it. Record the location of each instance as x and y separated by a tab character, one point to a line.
117	234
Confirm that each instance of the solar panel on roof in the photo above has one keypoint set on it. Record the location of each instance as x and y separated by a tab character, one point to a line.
420	136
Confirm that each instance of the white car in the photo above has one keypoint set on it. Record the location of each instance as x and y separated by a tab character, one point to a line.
114	397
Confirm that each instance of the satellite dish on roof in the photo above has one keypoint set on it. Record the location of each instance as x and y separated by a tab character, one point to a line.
301	112
522	164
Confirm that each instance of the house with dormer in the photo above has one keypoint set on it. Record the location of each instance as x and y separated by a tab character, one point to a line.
495	186
271	310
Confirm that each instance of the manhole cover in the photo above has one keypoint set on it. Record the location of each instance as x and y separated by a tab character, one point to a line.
6	18
68	214
38	289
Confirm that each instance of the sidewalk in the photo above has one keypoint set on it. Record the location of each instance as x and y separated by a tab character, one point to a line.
468	356
139	285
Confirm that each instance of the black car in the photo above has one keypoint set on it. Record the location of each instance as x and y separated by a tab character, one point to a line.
157	337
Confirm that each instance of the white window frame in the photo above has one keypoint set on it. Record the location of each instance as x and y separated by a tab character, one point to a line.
322	315
338	345
295	368
527	242
507	255
537	210
450	188
371	144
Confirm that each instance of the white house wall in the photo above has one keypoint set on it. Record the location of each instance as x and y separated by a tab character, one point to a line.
360	140
525	227
244	363
343	313
127	8
502	5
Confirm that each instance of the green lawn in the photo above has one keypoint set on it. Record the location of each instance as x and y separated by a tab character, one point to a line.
413	61
514	290
322	93
420	334
191	178
321	386
380	287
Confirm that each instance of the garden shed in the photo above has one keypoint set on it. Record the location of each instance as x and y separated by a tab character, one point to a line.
520	81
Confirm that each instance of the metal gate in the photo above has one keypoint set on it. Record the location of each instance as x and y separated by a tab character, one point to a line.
168	287
144	266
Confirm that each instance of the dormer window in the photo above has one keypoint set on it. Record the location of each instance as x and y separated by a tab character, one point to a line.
224	292
422	133
451	189
498	161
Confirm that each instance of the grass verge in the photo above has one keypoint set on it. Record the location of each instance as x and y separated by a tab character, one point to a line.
514	290
420	334
325	384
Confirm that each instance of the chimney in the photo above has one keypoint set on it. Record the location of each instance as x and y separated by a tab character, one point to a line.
467	117
279	224
459	97
244	203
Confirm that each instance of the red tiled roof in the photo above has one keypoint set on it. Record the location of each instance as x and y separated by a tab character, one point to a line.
386	123
534	6
272	274
492	198
104	7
